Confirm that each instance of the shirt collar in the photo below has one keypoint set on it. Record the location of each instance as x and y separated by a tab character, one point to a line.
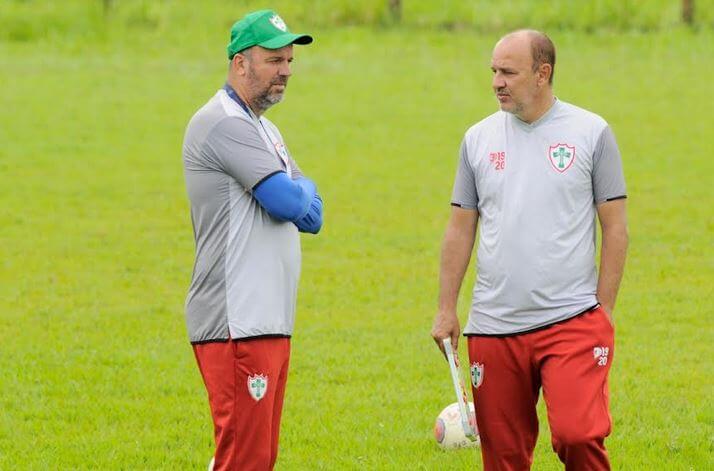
234	96
546	116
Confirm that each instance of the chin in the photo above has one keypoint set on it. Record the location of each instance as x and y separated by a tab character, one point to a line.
275	98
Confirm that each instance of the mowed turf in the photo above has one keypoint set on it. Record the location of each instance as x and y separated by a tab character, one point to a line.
96	247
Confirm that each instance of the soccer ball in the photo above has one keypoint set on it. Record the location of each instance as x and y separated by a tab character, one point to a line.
449	432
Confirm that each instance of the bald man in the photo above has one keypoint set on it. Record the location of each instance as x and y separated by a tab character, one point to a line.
536	175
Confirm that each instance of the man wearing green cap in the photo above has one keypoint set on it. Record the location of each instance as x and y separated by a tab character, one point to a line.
249	201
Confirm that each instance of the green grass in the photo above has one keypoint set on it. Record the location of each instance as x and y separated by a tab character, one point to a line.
96	247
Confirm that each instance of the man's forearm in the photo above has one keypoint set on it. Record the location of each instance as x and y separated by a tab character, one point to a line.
455	255
284	198
612	265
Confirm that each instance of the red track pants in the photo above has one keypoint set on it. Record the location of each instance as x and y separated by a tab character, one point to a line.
571	361
245	380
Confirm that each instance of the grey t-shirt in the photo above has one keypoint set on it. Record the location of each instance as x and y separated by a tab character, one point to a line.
536	187
247	264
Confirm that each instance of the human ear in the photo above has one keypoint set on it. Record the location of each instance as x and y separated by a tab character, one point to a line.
238	64
544	73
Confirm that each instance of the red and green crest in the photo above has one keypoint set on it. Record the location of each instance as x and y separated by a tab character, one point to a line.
561	156
257	386
476	374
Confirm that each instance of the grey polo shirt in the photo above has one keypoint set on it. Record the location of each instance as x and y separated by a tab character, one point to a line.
247	264
536	187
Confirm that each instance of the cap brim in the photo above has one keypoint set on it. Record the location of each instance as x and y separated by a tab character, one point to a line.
286	39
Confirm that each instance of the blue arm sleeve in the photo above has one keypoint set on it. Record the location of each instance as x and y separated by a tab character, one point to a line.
312	221
283	198
306	184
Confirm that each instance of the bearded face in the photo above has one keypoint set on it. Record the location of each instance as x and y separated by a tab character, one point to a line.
266	73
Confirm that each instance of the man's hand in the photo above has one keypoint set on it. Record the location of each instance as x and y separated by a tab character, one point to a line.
446	325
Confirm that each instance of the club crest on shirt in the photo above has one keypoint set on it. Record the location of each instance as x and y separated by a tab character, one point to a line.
257	386
561	156
476	374
282	152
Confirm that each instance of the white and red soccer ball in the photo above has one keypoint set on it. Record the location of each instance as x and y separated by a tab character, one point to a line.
449	432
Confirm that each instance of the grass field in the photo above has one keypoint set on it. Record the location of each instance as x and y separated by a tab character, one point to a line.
96	247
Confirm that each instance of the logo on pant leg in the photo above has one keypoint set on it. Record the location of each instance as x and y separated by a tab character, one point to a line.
600	354
476	374
257	386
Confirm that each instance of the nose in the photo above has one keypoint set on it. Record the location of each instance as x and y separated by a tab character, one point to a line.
498	81
285	69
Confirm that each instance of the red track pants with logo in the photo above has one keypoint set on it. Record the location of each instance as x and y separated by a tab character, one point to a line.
246	426
571	361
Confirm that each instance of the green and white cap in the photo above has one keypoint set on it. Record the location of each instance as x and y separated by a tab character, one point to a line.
262	28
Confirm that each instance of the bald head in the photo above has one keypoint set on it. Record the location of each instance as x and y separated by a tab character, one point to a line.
522	65
542	49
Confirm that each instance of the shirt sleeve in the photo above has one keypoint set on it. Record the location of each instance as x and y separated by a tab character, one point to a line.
465	194
239	151
608	178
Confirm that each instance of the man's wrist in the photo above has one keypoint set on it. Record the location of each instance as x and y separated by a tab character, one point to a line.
447	313
607	307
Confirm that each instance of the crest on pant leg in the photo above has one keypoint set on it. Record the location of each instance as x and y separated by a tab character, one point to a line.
257	386
476	374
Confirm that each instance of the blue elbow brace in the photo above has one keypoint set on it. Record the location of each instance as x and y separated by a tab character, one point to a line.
283	198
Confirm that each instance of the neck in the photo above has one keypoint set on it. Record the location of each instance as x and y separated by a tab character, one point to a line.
539	108
242	92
